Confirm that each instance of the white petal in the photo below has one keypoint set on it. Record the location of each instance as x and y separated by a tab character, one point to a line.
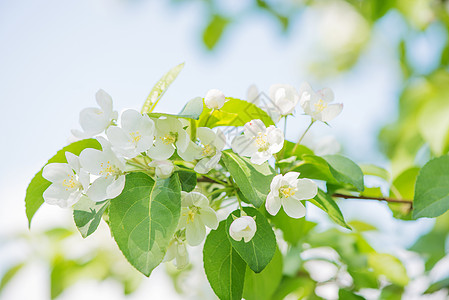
220	140
161	151
183	140
118	137
182	256
252	95
56	194
326	94
93	121
73	161
293	207
307	189
209	217
97	190
275	138
206	135
131	120
330	112
116	187
104	100
273	204
91	160
291	178
199	199
56	172
192	152
195	232
252	128
259	158
243	145
275	183
214	99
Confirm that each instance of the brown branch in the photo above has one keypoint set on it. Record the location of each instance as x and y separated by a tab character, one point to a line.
205	179
373	198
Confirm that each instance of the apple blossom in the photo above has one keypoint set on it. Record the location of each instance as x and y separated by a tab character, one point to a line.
108	167
284	99
68	182
136	134
243	228
317	104
252	94
196	214
258	142
211	146
287	191
164	168
177	251
95	120
215	99
169	133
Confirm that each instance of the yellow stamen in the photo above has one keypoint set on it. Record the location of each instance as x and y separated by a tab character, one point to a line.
70	183
320	106
261	141
169	138
135	136
287	191
109	169
208	150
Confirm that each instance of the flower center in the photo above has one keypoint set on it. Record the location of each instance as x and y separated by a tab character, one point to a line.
320	106
135	136
70	183
169	138
261	142
191	214
287	191
109	169
208	150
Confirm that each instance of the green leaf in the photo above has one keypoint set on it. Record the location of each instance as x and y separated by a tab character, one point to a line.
225	269
432	189
261	286
345	170
212	33
144	218
361	226
192	110
235	112
253	180
293	229
389	266
348	295
373	170
327	204
188	180
439	285
392	292
38	185
403	187
9	274
87	215
160	88
259	251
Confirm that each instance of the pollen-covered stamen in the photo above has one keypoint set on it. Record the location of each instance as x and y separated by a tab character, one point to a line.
287	191
320	106
209	150
192	213
135	136
169	138
108	169
262	141
71	182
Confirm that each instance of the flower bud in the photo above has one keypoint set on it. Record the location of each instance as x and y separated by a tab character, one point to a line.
164	168
214	99
243	227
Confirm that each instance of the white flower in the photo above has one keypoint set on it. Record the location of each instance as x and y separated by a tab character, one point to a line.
177	251
284	99
215	99
136	134
169	133
287	191
108	167
258	142
164	168
211	146
94	120
243	227
68	182
317	104
196	214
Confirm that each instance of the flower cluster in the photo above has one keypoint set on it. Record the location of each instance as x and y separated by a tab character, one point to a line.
159	144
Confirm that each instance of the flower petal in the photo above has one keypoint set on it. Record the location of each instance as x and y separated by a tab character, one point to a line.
206	135
307	189
57	172
209	217
98	189
330	112
273	204
116	187
293	207
195	232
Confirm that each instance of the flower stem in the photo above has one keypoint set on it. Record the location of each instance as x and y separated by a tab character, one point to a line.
302	136
193	130
208	117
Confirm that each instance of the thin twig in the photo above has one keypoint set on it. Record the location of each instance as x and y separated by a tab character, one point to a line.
374	198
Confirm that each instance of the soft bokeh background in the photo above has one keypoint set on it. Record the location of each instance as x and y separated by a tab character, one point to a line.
55	55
